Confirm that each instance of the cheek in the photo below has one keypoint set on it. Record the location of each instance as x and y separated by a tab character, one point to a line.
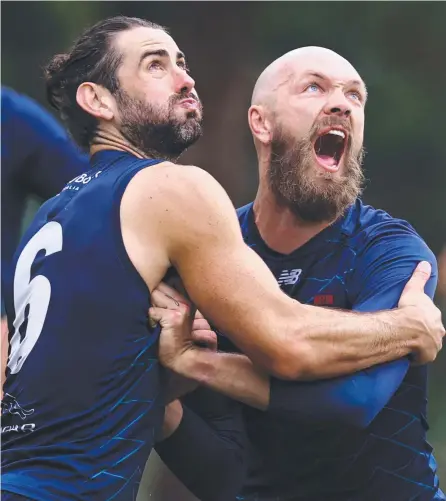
296	123
304	115
358	128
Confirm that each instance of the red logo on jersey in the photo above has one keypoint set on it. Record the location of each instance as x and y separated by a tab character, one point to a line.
324	300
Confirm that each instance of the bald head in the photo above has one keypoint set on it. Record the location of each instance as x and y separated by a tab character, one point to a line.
294	64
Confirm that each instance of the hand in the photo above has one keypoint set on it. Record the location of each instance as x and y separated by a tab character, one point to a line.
179	334
423	317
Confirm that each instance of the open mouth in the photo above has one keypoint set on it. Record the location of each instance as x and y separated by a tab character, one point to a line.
329	148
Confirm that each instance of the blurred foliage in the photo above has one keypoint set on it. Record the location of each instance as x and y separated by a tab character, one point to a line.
398	48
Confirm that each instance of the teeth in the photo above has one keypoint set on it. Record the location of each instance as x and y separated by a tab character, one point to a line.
337	133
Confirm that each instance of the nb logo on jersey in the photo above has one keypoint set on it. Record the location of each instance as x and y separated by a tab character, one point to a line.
289	277
11	406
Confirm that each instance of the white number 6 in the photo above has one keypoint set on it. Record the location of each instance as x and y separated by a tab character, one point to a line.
35	293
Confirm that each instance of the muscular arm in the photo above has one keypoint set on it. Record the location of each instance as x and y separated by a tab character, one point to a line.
377	282
185	214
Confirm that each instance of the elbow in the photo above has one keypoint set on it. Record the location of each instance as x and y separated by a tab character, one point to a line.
294	363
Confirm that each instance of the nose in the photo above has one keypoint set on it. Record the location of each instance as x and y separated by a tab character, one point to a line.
184	82
338	104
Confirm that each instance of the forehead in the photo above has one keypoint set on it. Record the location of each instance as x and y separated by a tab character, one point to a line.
329	65
134	42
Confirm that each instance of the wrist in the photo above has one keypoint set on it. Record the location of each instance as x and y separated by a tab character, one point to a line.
408	336
197	364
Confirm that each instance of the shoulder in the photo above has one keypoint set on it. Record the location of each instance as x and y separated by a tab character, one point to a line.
374	230
182	182
184	193
386	249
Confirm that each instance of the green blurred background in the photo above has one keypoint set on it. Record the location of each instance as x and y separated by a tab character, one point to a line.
398	48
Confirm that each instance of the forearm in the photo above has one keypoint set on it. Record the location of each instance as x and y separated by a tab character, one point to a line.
321	343
354	400
230	374
341	342
336	343
176	386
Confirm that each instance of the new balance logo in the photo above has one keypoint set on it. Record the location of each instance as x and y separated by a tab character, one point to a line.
289	277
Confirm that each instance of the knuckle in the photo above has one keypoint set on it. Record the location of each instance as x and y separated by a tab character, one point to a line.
178	317
183	309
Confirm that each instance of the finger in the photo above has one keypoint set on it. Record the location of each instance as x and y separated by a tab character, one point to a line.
152	322
162	300
170	291
201	324
206	338
198	314
160	315
419	278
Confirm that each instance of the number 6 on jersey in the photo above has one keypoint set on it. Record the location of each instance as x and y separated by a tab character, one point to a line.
36	293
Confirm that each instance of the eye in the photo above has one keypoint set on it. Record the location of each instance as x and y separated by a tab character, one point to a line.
183	65
154	65
313	88
355	95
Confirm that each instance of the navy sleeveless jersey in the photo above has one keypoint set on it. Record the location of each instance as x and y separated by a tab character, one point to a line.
81	399
361	263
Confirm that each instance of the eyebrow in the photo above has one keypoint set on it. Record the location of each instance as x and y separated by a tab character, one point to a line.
160	53
360	83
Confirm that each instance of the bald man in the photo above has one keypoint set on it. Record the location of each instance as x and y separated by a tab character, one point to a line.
359	437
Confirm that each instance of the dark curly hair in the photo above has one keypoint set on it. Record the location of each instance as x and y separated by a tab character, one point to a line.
92	58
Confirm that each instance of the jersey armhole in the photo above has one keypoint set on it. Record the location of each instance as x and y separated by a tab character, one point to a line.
120	186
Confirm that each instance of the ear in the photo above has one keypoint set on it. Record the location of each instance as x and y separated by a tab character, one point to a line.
260	124
96	100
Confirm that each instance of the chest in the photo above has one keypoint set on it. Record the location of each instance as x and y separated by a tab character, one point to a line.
320	278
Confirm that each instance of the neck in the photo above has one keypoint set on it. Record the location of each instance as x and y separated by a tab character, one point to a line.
279	228
113	140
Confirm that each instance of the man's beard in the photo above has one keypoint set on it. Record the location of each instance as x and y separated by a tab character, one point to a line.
297	183
158	131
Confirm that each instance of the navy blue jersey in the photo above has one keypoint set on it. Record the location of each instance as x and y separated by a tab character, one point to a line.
38	158
362	263
81	399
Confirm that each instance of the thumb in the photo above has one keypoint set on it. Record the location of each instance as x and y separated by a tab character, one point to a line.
419	277
157	315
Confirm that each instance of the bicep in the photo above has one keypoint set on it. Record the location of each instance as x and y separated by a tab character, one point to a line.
383	270
381	276
227	280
